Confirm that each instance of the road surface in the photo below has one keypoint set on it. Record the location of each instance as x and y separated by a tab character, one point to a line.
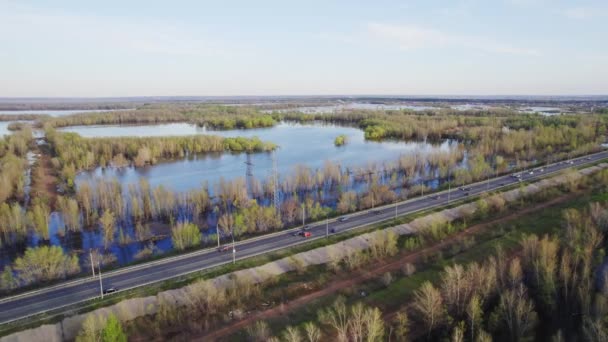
72	292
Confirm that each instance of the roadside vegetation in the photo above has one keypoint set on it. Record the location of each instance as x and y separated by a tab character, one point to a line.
529	278
489	284
483	144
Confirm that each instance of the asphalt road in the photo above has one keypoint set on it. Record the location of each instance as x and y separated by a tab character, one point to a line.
71	292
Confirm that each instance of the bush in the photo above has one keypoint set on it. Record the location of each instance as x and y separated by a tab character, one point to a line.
387	279
185	235
408	269
45	263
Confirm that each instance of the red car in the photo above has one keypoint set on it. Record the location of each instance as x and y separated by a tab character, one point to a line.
224	249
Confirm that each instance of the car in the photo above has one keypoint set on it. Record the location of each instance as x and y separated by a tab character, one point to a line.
375	211
531	172
223	249
333	230
306	234
109	290
466	193
306	227
343	218
436	197
588	158
541	170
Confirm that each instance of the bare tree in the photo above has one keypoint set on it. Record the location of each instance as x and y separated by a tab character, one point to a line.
401	325
313	334
474	313
337	316
292	334
515	313
429	304
258	332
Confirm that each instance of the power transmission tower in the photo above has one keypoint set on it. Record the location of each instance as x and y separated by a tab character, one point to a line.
249	174
275	184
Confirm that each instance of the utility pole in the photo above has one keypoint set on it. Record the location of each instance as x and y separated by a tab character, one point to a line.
422	188
373	200
449	183
100	282
303	215
488	183
233	249
396	203
92	264
217	232
326	225
275	183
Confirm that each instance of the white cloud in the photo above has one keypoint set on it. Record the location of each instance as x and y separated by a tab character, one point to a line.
409	37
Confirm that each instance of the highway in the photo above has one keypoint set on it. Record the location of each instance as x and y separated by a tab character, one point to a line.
72	292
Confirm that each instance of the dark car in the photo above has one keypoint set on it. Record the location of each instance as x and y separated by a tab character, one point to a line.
333	230
466	193
375	211
109	290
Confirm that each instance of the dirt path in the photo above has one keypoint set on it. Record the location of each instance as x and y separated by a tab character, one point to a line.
44	181
372	271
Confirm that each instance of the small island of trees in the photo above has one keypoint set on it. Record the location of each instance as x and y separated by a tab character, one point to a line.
341	140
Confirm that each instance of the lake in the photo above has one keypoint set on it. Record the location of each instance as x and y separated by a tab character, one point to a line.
57	112
309	144
4	128
353	106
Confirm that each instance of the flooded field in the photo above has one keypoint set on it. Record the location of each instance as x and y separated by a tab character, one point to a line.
300	146
56	112
310	145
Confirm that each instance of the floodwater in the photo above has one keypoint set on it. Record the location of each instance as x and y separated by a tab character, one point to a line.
308	144
4	128
355	105
57	112
547	111
170	129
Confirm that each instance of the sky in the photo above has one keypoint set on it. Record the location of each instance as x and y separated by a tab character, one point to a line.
228	48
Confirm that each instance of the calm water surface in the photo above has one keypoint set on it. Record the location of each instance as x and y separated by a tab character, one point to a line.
57	112
355	105
4	128
307	144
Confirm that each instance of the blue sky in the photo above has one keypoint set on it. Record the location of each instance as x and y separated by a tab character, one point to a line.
153	48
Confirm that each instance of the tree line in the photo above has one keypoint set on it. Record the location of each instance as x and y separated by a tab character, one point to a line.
73	152
212	116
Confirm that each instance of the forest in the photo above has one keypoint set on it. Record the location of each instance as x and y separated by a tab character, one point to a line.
487	143
549	286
